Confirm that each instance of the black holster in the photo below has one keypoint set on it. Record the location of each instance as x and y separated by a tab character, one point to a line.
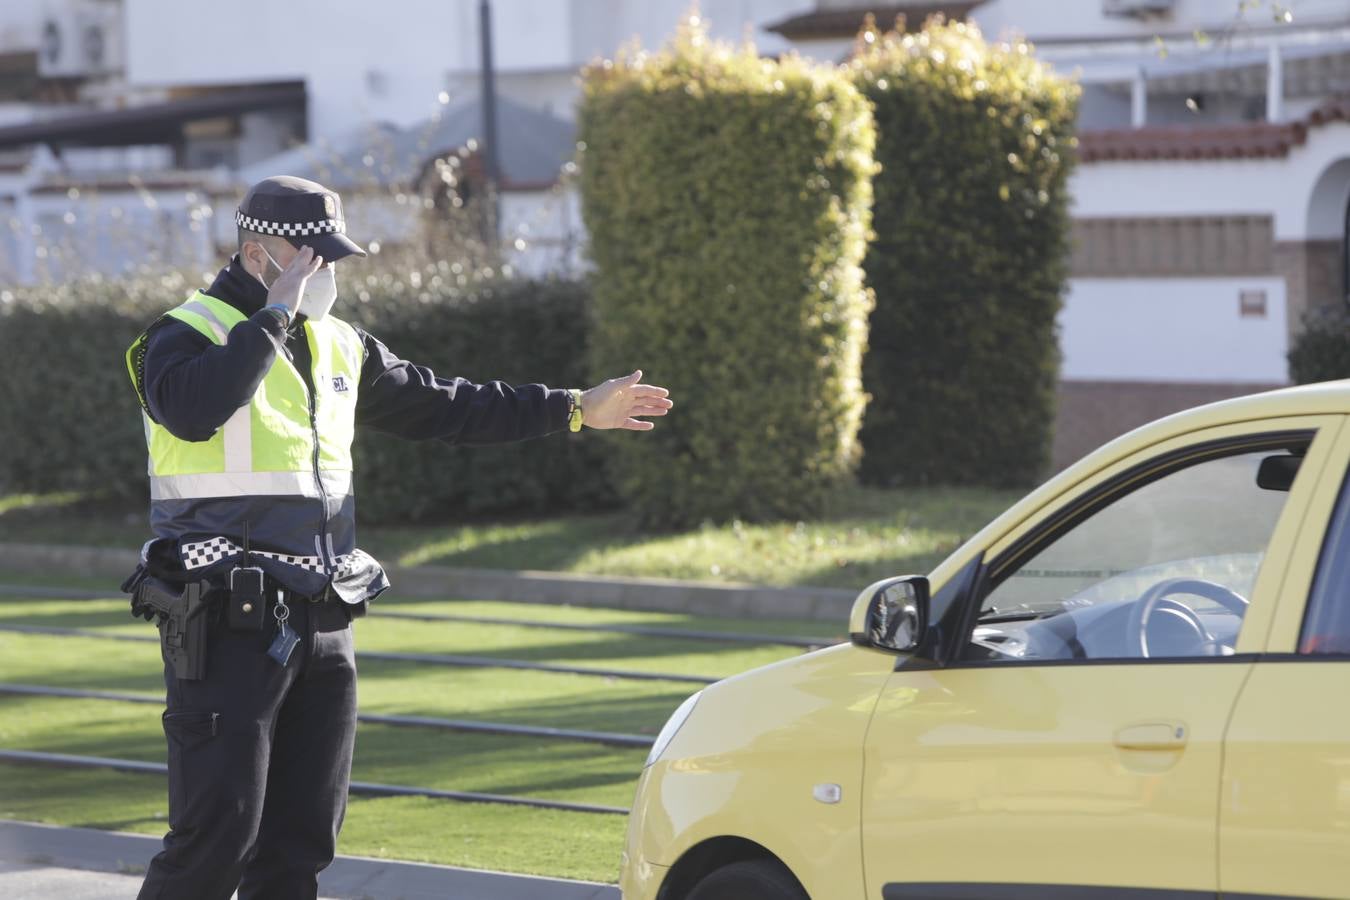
161	589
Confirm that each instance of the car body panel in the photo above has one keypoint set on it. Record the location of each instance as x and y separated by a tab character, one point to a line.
763	741
1284	816
1022	763
1285	812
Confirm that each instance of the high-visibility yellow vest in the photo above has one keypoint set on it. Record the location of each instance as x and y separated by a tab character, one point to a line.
271	460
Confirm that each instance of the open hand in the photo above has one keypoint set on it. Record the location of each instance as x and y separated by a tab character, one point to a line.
290	284
619	402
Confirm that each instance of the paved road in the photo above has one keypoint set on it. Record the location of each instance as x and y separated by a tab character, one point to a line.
39	882
44	862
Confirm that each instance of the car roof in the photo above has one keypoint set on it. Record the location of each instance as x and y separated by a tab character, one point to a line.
1322	398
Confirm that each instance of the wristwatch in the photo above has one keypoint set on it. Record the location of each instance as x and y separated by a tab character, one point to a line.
574	413
285	311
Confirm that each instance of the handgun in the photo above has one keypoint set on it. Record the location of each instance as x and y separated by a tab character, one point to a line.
182	628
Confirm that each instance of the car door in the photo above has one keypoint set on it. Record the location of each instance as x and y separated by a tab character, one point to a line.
1284	816
1067	741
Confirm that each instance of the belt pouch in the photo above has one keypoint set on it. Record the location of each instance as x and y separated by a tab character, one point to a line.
246	599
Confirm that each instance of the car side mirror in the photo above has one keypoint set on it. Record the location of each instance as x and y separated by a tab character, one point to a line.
891	614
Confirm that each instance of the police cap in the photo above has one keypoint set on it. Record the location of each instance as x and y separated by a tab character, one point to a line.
303	212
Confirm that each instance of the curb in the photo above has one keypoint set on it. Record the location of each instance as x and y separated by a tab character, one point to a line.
347	877
640	594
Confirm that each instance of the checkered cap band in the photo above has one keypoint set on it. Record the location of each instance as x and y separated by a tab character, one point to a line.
200	554
290	229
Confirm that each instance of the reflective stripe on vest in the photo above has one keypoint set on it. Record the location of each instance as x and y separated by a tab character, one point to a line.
267	447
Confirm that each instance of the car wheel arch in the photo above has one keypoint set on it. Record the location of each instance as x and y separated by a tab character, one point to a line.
708	856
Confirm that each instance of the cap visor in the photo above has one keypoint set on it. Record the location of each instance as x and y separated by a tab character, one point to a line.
331	247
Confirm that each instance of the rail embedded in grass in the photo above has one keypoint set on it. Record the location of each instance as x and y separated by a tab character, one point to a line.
608	738
359	788
636	630
50	593
434	659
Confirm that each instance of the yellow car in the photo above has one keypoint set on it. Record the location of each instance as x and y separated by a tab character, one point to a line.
1133	684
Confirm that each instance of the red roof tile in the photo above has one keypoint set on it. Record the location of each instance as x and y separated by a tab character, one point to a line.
1249	140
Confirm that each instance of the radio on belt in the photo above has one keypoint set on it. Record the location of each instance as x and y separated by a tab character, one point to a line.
246	594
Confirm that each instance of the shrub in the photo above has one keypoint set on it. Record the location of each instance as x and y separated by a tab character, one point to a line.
1321	350
70	421
726	199
968	261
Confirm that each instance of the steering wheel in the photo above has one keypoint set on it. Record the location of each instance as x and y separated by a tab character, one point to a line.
1156	598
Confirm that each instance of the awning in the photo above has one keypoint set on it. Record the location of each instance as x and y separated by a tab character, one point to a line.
827	24
155	123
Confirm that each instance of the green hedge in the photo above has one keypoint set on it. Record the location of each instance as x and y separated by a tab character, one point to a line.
1321	349
969	256
70	419
726	199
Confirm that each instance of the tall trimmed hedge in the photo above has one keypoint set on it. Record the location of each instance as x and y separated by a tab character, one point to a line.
69	419
726	199
969	258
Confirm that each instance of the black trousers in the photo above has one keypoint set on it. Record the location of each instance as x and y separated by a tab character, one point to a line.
260	758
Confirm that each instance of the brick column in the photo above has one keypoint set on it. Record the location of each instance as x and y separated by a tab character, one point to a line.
1312	276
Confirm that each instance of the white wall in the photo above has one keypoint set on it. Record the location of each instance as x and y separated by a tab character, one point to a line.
1173	330
543	231
20	24
114	232
1283	187
389	60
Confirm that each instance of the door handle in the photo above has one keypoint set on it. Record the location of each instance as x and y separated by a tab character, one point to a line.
1152	736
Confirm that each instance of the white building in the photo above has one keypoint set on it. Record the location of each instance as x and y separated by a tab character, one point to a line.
174	96
1212	198
1210	206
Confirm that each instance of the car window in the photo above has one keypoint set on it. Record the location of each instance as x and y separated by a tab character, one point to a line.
1163	571
1326	622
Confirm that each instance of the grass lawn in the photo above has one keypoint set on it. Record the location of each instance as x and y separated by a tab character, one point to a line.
542	842
865	534
532	841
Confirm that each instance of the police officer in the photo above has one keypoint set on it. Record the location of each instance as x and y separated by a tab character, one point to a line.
251	392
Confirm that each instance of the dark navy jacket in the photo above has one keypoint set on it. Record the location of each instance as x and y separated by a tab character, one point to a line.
192	386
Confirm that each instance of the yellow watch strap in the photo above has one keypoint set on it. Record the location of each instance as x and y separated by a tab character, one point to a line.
574	419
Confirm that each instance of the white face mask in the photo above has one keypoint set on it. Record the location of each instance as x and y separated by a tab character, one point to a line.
319	294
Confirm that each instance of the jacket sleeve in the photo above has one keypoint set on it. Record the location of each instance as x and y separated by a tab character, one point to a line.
412	402
193	386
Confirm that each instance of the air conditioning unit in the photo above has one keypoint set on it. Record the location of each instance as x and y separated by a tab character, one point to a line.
80	38
1138	9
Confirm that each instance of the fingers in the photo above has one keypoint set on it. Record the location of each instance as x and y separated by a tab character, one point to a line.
637	425
306	261
649	390
649	411
302	259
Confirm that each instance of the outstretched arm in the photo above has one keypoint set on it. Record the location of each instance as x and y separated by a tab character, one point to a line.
411	401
